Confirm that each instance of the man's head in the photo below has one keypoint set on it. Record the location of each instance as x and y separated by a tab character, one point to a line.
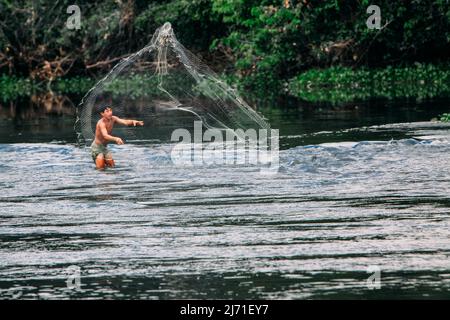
104	111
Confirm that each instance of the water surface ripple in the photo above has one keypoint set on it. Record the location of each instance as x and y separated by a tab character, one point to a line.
148	229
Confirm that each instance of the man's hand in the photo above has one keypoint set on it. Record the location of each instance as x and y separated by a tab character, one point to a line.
137	123
119	141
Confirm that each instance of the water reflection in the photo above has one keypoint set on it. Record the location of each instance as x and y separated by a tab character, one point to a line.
37	106
50	117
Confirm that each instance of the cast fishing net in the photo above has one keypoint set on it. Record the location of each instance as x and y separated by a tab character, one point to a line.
162	78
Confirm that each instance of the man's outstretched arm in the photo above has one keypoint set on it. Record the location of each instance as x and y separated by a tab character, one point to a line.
128	122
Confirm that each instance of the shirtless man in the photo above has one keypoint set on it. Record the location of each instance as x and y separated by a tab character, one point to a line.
100	153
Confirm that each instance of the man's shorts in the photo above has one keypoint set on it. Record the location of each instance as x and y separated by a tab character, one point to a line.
97	149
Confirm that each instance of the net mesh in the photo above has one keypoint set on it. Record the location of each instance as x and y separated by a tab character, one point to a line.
164	76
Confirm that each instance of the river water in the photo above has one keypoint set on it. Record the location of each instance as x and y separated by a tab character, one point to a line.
361	191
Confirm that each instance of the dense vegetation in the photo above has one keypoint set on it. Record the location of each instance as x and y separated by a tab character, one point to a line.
340	84
258	45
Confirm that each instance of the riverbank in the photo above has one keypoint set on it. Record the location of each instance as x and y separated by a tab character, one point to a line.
14	87
335	85
340	84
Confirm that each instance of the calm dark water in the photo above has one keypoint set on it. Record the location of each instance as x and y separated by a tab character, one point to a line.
358	186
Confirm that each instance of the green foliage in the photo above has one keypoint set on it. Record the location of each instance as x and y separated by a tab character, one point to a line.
13	87
445	117
342	84
133	86
258	45
271	43
76	85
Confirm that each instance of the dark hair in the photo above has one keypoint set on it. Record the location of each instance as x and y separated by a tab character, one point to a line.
101	108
